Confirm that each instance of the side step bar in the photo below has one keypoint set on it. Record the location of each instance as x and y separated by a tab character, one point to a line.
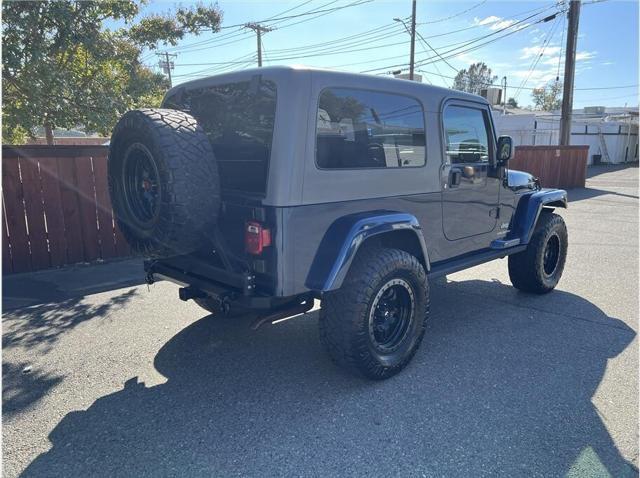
464	262
505	243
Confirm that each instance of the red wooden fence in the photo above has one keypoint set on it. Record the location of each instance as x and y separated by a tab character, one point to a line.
56	207
555	166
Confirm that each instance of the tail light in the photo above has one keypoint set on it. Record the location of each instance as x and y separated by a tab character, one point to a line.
256	237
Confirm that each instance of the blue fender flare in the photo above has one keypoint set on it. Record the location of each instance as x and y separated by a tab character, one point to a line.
345	236
529	208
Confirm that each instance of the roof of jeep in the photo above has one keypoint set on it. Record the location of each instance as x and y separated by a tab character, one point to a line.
374	81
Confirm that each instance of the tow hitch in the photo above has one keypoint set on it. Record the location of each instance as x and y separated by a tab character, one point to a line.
187	293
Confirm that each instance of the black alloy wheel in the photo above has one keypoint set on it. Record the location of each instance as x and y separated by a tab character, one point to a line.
391	315
539	267
375	322
141	184
551	255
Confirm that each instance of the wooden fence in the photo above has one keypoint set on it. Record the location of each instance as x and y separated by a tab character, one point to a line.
56	207
555	166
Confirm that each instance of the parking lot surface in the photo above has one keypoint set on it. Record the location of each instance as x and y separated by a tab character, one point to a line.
105	377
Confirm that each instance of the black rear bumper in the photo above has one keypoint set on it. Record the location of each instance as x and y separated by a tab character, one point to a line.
214	281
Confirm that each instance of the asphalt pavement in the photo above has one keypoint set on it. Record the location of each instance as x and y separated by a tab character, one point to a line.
103	376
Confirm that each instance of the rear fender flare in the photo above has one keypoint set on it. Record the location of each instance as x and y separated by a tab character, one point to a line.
346	235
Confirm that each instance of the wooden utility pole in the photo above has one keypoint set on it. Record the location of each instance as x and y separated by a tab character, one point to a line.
413	39
167	65
569	72
504	95
259	29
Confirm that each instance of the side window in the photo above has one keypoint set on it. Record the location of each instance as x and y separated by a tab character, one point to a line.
368	129
467	134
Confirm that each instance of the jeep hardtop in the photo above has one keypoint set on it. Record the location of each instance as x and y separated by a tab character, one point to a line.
264	190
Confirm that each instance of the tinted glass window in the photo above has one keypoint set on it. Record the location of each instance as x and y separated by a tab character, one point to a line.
466	131
238	118
366	129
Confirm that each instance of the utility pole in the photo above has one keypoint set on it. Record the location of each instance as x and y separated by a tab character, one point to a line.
259	29
166	65
504	96
569	72
413	39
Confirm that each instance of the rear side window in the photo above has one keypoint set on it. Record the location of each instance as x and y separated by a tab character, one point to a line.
368	129
238	118
467	134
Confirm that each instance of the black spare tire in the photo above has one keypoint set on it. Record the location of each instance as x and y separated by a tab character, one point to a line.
163	180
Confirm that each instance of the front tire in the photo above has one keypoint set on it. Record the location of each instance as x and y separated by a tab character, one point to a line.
539	267
374	324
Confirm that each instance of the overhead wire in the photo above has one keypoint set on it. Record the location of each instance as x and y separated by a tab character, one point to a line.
521	25
537	57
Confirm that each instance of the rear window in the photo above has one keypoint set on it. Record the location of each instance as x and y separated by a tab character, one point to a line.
238	118
369	129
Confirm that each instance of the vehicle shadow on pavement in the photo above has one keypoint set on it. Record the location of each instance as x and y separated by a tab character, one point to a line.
576	195
40	327
494	390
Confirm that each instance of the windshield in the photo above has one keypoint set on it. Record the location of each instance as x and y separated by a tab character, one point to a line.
238	118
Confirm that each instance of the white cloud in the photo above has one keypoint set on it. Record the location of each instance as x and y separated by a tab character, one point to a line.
486	21
493	22
531	51
537	78
551	61
466	58
502	24
585	55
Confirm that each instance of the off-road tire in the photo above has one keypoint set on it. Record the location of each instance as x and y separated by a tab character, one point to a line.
527	268
345	313
187	188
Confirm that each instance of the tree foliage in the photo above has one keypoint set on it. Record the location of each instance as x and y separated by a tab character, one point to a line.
513	103
549	97
474	79
63	67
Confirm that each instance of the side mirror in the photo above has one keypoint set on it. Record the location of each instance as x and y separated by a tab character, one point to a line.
505	148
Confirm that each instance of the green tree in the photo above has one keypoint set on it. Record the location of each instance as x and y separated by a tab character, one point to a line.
549	97
474	79
512	102
63	66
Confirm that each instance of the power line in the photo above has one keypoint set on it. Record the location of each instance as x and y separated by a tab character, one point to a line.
222	39
440	35
310	12
355	38
207	71
537	58
458	45
455	15
352	4
259	30
452	53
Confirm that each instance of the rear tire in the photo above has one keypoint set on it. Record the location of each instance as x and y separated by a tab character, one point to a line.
539	267
163	180
374	324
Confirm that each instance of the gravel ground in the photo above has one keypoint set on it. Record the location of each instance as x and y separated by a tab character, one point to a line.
124	381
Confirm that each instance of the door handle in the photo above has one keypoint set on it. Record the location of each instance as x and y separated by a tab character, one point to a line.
454	177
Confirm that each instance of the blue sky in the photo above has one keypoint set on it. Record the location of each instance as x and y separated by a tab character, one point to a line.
607	44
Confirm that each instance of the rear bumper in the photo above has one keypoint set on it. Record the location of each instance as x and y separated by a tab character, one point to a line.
227	286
